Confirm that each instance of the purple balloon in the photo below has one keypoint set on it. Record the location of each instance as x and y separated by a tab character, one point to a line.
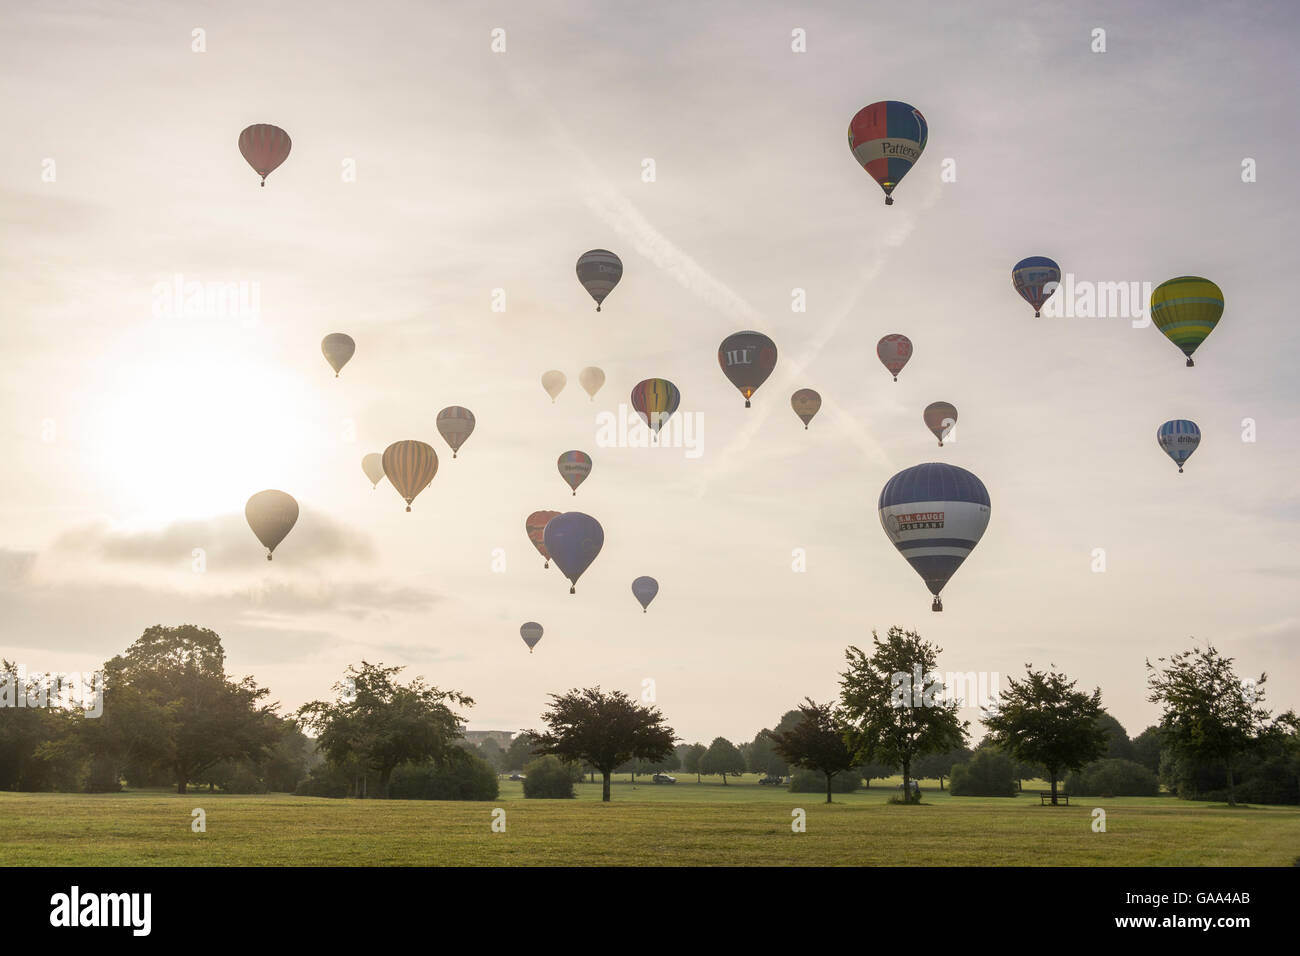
573	539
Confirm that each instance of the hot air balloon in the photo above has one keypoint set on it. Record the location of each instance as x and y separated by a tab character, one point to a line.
886	139
805	403
455	424
1179	438
553	382
531	633
747	359
574	539
264	147
373	466
410	466
1186	310
893	351
535	525
599	271
1029	276
934	514
591	379
574	467
337	349
940	417
645	588
272	515
655	400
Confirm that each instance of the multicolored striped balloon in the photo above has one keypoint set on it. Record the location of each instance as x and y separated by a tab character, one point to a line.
410	466
535	525
893	351
1186	310
264	147
1031	276
886	138
655	400
599	271
574	468
455	425
934	514
1178	439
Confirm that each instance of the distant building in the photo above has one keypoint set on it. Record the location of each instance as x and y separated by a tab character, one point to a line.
476	737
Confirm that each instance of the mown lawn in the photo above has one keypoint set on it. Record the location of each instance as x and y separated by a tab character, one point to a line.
682	824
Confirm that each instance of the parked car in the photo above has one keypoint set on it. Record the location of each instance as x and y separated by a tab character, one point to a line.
913	786
517	776
663	778
771	780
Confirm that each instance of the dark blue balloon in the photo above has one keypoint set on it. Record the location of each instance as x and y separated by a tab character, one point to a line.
573	539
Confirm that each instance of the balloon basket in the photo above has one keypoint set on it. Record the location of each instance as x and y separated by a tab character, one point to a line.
573	590
937	605
1190	363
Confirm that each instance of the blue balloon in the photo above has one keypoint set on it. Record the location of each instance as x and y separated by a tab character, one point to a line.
1032	276
573	539
1179	438
645	588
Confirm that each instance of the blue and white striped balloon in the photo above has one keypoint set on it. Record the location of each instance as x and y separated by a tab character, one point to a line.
1179	438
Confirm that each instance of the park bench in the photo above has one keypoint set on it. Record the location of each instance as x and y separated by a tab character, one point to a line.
1045	798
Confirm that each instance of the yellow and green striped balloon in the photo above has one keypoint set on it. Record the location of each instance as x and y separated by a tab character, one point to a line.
1186	310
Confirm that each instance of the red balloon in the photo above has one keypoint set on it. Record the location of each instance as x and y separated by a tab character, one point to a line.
264	147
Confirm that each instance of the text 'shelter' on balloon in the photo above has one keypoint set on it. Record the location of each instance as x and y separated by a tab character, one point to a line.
271	514
886	138
410	466
574	467
747	359
599	271
574	539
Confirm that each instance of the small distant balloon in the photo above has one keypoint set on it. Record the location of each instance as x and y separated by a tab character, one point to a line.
410	466
455	424
1178	439
886	138
271	514
940	417
599	271
893	351
531	633
264	147
535	525
338	349
574	468
1186	310
747	359
805	403
591	379
645	588
1031	276
373	466
655	400
574	539
553	382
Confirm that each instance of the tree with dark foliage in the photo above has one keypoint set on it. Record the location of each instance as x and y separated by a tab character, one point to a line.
816	742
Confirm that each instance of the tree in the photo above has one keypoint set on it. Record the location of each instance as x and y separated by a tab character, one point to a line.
520	752
549	777
382	724
939	765
691	759
1209	714
816	742
604	730
988	773
1146	749
723	757
891	704
762	757
1043	719
1118	746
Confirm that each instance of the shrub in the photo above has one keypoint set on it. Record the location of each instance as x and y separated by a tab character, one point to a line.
1113	778
324	781
548	777
814	781
467	777
987	774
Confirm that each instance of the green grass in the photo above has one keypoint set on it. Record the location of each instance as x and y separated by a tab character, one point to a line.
686	823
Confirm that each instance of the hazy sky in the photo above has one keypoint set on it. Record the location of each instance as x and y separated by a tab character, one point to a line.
133	438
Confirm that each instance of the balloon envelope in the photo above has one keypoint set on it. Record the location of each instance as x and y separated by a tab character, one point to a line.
886	138
655	400
934	514
271	514
410	466
264	147
574	539
1186	310
940	417
893	351
599	271
531	633
553	382
747	359
1179	438
574	468
535	525
1030	276
645	588
455	424
591	379
373	466
805	403
337	348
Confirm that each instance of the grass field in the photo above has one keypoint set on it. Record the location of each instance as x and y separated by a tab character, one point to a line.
682	824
